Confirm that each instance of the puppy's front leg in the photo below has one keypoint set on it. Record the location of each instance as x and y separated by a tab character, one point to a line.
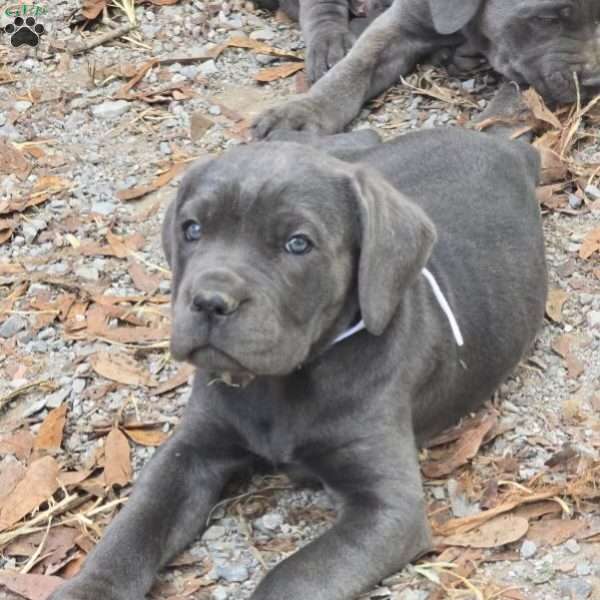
386	50
167	509
327	34
381	527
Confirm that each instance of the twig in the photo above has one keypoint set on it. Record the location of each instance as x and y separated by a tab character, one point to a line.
46	383
103	39
31	562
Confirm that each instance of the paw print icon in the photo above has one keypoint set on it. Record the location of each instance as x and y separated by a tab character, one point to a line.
24	31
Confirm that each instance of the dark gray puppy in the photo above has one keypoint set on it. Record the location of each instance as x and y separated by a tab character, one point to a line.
278	248
543	43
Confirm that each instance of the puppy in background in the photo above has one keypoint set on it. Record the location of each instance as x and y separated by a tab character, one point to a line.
351	309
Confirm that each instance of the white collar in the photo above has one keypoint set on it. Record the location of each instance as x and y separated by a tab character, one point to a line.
439	296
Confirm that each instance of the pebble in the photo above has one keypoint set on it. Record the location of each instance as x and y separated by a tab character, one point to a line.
12	326
265	59
88	273
528	549
580	589
262	34
572	546
220	593
593	191
575	201
271	521
208	68
78	385
583	568
214	110
57	398
593	318
22	105
214	533
111	109
39	347
234	573
103	208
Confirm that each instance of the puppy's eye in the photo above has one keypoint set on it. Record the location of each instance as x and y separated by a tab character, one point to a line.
298	244
192	231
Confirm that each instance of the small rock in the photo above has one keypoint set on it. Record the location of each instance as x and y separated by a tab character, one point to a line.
271	521
572	546
528	549
190	71
57	398
110	109
262	34
208	68
12	326
22	105
265	59
579	589
214	533
165	148
103	208
593	318
583	568
220	593
468	85
88	273
593	191
575	202
214	110
78	385
233	573
38	347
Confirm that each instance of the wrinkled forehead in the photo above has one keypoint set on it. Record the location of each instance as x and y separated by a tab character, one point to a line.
267	178
586	10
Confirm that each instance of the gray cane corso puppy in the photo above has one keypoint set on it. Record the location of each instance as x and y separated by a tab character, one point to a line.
544	43
277	249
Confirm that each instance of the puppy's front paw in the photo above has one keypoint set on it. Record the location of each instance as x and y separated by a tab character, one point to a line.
325	50
82	589
297	115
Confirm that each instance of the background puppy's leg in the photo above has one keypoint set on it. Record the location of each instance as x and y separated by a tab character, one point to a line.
326	33
167	509
383	53
381	526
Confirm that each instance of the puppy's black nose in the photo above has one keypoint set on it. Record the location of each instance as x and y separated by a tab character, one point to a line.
214	303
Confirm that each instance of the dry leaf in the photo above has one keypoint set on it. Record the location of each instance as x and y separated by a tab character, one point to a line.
38	485
553	532
144	281
554	304
279	72
464	450
12	161
590	244
563	347
259	47
31	585
162	180
11	472
553	168
50	435
122	368
117	461
497	532
179	379
19	443
91	9
146	437
539	109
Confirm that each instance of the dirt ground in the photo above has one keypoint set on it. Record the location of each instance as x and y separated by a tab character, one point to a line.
92	144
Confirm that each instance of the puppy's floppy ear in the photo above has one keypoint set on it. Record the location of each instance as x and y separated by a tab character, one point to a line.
396	240
450	16
168	231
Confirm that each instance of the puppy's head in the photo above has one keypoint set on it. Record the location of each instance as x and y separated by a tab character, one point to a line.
543	43
275	248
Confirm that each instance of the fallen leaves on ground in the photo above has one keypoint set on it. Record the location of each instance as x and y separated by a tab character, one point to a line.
122	368
493	534
554	305
50	435
160	181
278	72
117	460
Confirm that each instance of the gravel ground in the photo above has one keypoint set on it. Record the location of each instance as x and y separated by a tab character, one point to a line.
105	146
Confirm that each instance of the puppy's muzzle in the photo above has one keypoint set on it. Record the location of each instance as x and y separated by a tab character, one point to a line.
217	294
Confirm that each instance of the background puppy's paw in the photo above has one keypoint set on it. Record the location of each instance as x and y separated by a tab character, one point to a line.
325	50
297	115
